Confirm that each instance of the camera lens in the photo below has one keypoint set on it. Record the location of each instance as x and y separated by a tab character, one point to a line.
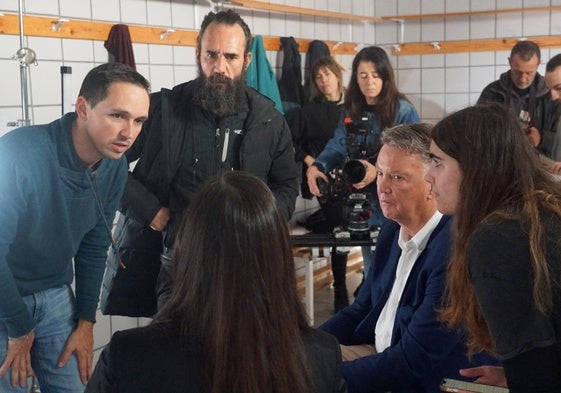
354	171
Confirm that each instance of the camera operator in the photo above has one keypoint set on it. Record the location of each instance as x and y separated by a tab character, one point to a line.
372	94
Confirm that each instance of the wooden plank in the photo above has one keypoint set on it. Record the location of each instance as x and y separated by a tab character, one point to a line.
40	26
472	13
501	44
288	9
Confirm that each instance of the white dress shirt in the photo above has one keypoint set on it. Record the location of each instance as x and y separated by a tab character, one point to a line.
410	251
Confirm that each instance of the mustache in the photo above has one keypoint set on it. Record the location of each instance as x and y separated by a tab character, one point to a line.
220	78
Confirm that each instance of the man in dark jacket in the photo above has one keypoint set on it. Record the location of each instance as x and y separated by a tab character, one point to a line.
524	91
391	337
212	124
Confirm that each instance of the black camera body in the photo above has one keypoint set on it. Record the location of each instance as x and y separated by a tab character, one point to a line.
340	190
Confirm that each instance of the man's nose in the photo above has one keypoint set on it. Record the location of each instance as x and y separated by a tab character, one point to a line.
220	64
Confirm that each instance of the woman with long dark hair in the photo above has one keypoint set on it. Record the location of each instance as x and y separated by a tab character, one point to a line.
372	101
504	278
234	322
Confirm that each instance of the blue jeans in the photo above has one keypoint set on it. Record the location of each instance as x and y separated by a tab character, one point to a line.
53	312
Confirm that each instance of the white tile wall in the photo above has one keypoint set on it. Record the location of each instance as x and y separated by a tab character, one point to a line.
436	84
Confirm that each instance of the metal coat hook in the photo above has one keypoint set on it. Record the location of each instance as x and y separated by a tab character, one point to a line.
435	45
396	47
55	26
166	33
359	47
337	45
26	57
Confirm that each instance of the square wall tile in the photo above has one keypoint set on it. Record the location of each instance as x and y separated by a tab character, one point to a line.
482	27
45	83
456	101
405	7
409	61
412	32
501	58
509	4
457	28
481	58
432	80
9	5
44	114
457	80
184	55
416	101
184	73
9	45
41	7
307	28
133	11
432	29
480	77
432	106
77	50
409	81
431	61
160	54
158	13
432	7
100	53
79	71
182	16
386	8
535	24
387	33
536	3
75	8
457	6
104	10
481	5
457	59
161	76
554	23
509	25
140	53
9	117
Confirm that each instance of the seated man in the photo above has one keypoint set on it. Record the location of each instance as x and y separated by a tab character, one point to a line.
391	337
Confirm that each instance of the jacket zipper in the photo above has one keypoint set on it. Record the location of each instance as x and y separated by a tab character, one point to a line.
225	145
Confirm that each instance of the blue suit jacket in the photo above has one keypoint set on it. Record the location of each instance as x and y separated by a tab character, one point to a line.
422	350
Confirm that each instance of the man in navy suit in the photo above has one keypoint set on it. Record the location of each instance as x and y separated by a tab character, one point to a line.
391	337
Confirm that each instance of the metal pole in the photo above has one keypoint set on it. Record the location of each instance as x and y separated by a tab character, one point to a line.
23	72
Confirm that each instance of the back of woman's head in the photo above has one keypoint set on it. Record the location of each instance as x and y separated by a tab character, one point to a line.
234	286
329	63
389	95
497	162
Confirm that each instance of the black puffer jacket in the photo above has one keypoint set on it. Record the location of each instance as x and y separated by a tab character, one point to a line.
181	145
543	111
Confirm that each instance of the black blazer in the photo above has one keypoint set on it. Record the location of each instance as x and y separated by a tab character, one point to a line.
150	359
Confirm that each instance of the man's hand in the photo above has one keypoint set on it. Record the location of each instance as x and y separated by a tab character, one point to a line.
313	174
18	359
487	375
369	176
533	135
80	342
554	167
161	219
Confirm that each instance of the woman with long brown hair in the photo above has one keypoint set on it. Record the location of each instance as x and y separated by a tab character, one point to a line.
234	322
504	278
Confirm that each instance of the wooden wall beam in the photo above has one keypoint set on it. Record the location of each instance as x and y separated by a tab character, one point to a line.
501	44
287	9
40	26
472	13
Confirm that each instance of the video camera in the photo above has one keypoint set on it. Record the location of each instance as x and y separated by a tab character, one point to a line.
340	190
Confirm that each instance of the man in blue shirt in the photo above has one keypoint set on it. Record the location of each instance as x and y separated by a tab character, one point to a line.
61	184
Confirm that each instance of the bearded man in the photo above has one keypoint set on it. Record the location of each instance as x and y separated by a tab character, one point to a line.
200	128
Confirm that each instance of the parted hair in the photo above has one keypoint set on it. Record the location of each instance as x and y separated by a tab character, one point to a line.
388	100
234	289
414	138
502	178
329	63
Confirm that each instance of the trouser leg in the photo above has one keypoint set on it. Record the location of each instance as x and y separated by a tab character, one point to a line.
339	270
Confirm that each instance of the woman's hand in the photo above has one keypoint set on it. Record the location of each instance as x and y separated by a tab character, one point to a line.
313	174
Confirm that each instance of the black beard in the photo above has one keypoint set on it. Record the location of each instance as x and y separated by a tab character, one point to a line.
221	95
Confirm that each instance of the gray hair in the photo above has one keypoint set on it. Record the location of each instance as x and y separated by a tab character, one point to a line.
413	138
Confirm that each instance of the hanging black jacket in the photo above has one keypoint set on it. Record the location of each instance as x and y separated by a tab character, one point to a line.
181	145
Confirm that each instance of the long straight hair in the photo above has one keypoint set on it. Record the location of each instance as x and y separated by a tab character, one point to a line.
234	289
502	177
388	100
